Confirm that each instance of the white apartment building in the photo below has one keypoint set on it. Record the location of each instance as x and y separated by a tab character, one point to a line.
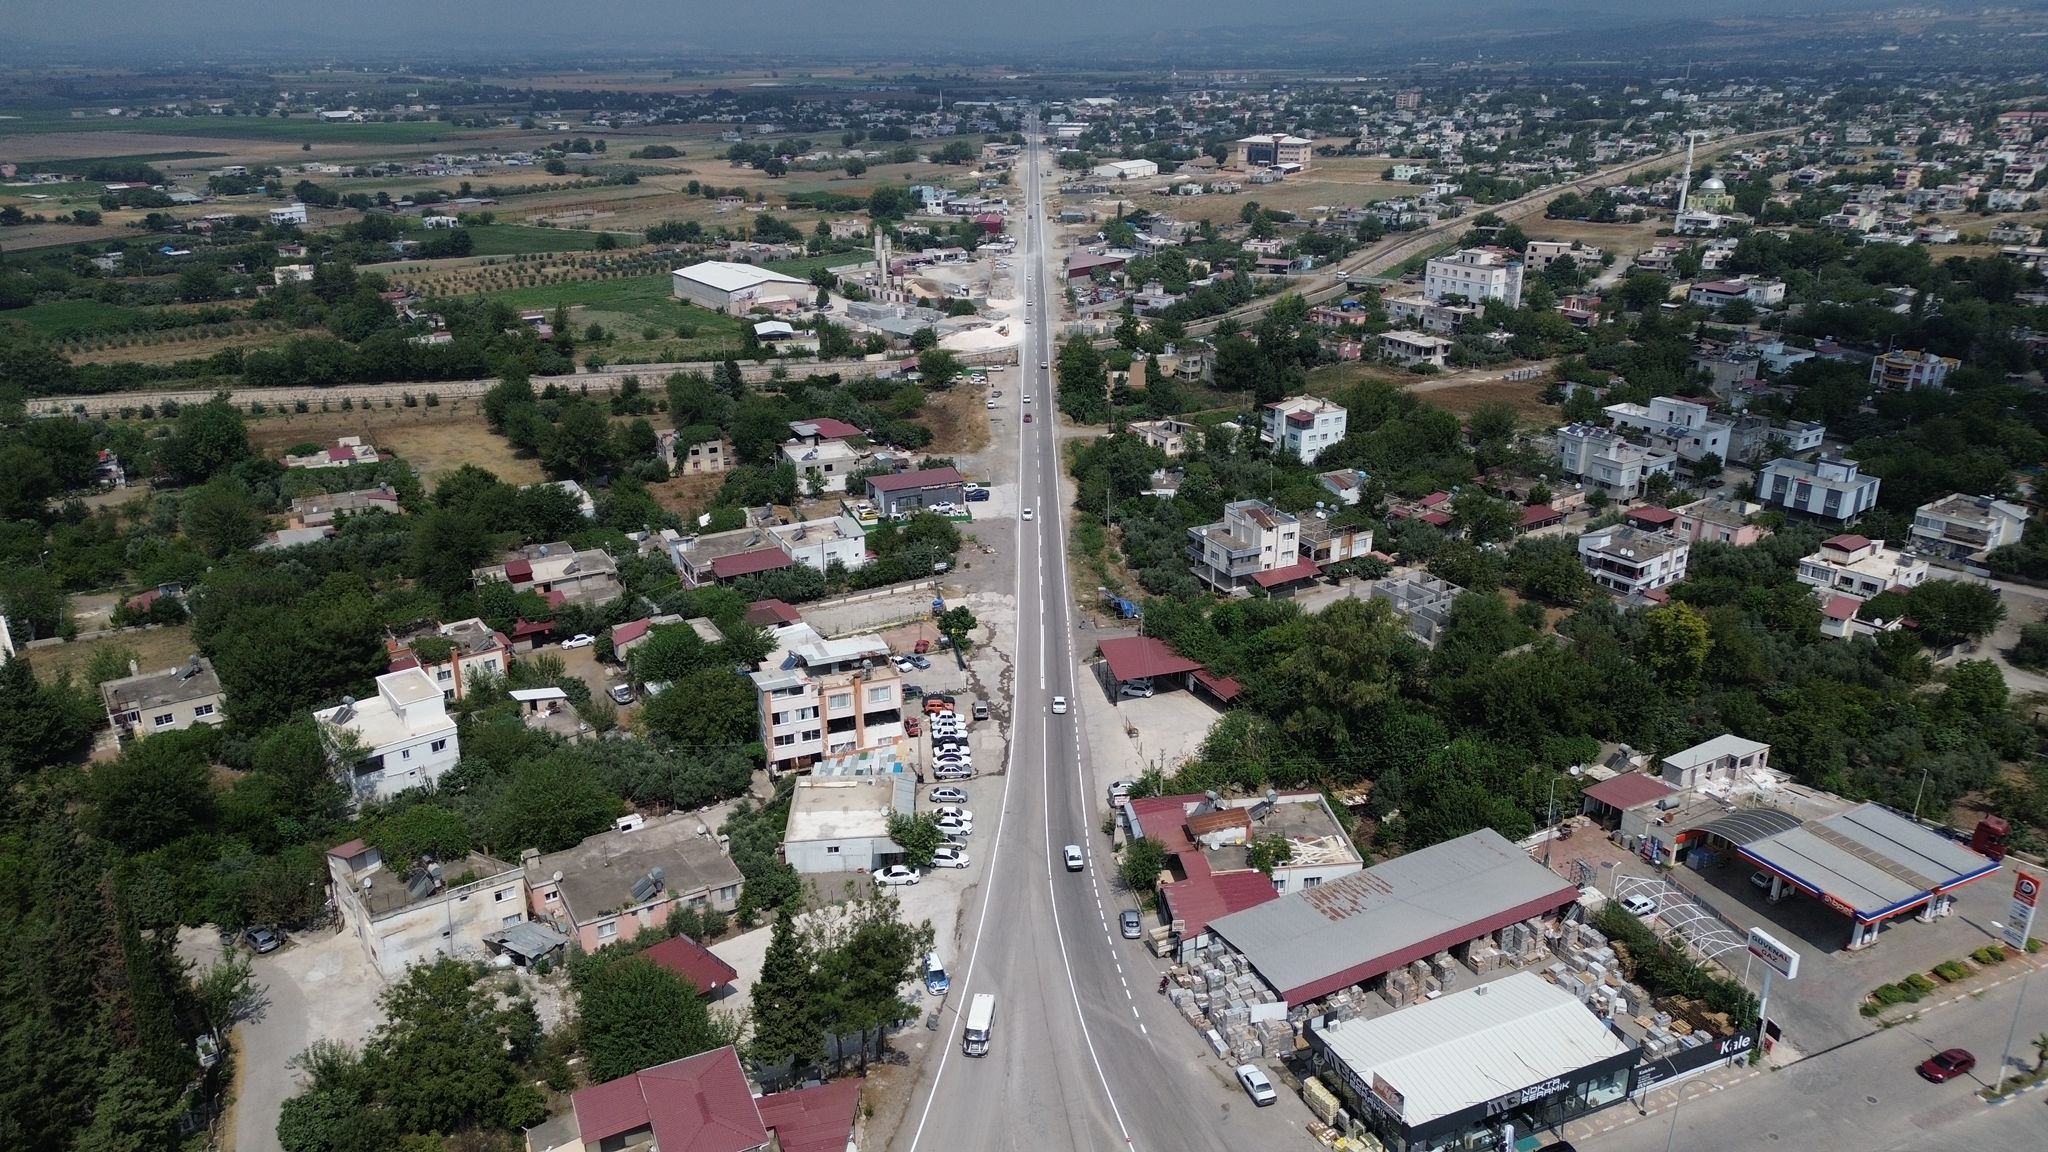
823	466
1541	254
1902	371
1829	487
1477	274
1408	348
1751	434
293	213
1302	426
172	700
1960	526
1859	567
822	697
1252	537
407	918
1420	312
1627	560
401	738
822	543
1606	460
1682	426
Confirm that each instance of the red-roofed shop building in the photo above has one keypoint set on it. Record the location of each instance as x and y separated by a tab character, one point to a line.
1148	661
911	491
1208	842
1357	929
701	1103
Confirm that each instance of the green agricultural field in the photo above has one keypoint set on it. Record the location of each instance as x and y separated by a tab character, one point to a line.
82	166
62	319
294	128
518	239
628	309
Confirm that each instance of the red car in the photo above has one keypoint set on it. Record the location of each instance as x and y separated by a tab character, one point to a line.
923	646
1945	1066
910	727
1027	417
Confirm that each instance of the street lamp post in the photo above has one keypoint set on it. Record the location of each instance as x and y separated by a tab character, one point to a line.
1919	795
1551	821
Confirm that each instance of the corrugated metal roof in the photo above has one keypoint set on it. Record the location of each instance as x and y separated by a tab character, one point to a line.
1870	858
1469	1047
1308	944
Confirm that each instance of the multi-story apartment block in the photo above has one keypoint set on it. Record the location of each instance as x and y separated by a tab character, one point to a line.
1477	274
1750	434
1682	426
1252	537
704	458
1170	436
1960	526
1273	151
454	655
1829	487
822	697
1409	348
1899	371
1606	460
1628	560
1541	254
1425	314
1859	567
1302	426
399	739
1324	544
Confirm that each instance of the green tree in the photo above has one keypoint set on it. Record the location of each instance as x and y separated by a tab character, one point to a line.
224	991
1492	421
1483	519
710	707
549	804
1677	640
918	835
1976	690
869	954
635	1014
417	832
446	548
1144	859
1951	611
956	624
448	1053
206	440
158	789
787	1018
219	518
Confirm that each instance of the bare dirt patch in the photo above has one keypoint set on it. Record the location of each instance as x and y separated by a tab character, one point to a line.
1462	397
433	440
687	496
958	420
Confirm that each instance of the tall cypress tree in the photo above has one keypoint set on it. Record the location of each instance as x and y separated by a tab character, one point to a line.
788	1017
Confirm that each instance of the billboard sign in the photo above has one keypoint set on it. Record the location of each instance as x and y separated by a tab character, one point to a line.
2019	918
1776	954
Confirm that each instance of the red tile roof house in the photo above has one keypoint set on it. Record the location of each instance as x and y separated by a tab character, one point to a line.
630	635
695	963
703	1104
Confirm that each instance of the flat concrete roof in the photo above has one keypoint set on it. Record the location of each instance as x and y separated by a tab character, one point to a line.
848	807
1311	943
1869	861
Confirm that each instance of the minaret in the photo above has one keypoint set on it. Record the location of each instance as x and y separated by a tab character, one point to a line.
1685	182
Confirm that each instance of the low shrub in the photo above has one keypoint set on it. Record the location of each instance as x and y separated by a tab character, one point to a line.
1919	984
1952	970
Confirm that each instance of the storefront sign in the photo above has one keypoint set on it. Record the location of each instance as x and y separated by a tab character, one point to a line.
1647	1076
1781	958
1389	1096
1526	1096
1837	905
2019	918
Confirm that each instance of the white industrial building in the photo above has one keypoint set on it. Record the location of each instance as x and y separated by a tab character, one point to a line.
1126	170
401	738
734	288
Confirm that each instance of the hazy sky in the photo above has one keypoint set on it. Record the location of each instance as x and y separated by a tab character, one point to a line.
860	27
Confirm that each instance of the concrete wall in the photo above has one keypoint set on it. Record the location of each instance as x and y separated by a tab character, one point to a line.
856	854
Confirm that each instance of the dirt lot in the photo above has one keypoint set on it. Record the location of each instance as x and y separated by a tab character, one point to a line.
1623	240
433	440
155	650
687	496
1462	397
958	419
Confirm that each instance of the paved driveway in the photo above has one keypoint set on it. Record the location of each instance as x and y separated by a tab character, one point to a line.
317	987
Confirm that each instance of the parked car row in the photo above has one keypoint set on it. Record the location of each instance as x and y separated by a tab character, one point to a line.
952	757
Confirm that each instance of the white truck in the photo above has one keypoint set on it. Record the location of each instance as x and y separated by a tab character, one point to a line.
981	1023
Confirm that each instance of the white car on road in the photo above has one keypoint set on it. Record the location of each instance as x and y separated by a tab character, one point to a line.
1059	705
952	826
1256	1085
896	874
580	640
949	858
